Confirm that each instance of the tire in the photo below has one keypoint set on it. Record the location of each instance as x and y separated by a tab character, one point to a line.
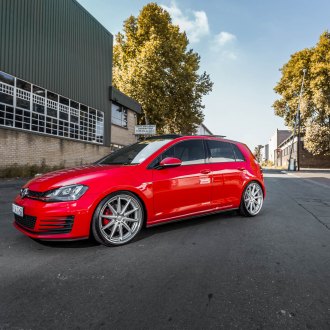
252	200
118	219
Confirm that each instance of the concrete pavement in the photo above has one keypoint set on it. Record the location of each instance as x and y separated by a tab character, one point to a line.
321	176
220	271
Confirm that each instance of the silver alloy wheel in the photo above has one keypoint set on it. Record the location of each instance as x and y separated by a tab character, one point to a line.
120	219
253	198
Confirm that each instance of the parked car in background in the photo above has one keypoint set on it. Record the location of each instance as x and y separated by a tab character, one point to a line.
155	181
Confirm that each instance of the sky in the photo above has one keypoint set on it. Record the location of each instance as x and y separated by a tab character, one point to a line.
242	45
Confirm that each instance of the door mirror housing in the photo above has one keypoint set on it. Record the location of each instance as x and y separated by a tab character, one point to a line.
170	162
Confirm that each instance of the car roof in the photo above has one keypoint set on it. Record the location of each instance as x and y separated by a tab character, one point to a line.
188	137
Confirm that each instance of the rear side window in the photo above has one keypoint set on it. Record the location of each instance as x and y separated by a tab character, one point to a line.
220	152
238	154
190	152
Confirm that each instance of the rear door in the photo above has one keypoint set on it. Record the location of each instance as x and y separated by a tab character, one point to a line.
184	189
227	174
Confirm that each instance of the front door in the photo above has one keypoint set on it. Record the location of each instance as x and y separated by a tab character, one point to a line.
185	189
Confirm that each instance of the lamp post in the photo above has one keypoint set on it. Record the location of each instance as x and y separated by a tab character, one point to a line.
297	124
298	115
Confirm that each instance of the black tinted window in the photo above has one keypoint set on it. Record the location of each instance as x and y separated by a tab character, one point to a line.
190	152
238	154
220	151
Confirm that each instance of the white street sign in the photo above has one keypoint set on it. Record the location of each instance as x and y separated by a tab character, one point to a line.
145	129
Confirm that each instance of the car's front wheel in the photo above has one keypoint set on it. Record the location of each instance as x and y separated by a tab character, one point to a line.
252	199
118	219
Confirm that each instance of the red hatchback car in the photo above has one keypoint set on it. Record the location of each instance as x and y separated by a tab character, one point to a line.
158	180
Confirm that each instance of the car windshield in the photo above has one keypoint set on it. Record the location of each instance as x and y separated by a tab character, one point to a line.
135	153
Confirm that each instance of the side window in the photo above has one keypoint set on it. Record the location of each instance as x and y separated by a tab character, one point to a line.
238	154
220	151
190	152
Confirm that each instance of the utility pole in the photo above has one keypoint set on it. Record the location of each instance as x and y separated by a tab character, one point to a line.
298	115
297	124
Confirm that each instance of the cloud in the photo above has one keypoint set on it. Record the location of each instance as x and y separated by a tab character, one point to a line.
224	38
230	55
223	43
196	26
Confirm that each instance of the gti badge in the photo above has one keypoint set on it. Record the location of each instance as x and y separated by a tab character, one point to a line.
24	192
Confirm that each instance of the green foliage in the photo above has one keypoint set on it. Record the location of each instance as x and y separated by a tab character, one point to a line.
317	139
257	152
153	66
315	107
27	171
267	163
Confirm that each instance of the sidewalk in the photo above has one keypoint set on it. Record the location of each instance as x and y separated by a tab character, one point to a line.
13	182
319	176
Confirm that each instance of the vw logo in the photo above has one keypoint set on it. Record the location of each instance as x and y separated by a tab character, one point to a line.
24	192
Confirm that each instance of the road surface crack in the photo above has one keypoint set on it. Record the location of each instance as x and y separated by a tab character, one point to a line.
310	212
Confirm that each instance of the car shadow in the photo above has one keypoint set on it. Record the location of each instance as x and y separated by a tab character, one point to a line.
76	244
190	222
147	232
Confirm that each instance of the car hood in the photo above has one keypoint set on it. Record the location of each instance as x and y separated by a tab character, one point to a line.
82	175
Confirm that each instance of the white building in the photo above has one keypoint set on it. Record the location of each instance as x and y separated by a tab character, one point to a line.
265	153
276	139
203	130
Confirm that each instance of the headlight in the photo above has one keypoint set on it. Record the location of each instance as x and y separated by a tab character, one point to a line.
66	193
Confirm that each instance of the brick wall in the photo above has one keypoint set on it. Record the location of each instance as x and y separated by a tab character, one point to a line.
307	160
23	148
124	136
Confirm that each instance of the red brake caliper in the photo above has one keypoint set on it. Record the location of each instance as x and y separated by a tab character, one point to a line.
106	221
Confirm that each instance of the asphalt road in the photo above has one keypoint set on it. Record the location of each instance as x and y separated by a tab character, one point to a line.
220	271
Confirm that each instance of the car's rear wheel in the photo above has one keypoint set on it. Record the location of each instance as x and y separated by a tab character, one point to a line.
118	219
252	199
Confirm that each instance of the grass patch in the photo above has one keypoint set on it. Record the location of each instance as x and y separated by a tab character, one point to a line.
27	171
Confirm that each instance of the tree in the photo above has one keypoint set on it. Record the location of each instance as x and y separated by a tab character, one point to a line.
315	107
153	66
257	152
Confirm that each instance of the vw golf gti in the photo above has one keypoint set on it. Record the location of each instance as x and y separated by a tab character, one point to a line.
158	180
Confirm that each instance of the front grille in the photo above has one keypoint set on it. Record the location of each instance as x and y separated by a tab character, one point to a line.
56	225
34	194
26	221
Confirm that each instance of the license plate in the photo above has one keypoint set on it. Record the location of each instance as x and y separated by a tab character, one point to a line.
19	210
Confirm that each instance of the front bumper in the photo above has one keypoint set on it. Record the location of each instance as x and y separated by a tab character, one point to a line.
53	221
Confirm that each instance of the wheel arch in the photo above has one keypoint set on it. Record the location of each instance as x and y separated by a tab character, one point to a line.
261	184
243	209
107	194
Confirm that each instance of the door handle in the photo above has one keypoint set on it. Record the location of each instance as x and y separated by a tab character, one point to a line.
241	168
206	171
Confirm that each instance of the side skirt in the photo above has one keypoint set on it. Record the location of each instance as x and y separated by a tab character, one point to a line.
166	221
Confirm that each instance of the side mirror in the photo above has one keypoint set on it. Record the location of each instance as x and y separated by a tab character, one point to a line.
170	162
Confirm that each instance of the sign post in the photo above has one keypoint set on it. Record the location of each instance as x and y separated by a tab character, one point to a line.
145	130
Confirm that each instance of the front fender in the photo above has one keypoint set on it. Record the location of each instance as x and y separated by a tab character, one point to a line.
143	192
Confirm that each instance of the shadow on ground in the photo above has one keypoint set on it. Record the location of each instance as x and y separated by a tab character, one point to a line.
148	232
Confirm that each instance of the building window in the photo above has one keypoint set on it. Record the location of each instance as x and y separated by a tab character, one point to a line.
6	88
118	115
32	108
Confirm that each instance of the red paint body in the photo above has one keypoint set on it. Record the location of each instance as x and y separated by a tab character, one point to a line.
168	194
